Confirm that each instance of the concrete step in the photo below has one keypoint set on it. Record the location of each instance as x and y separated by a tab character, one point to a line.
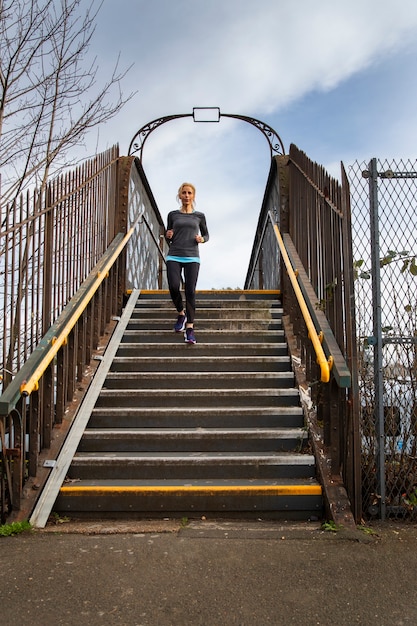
192	440
205	324
197	397
217	297
195	465
209	313
234	337
207	302
198	379
283	498
189	362
202	416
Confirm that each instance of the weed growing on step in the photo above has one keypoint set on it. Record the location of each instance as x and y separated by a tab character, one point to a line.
56	518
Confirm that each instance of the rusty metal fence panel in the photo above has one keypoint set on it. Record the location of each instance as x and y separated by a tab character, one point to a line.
319	225
314	209
384	225
48	245
59	249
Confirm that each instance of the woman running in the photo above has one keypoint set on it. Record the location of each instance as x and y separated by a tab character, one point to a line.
186	228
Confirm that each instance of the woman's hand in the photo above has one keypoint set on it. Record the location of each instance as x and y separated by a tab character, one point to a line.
199	239
169	234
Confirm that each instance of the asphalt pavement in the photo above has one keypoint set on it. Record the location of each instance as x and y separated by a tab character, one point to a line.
208	572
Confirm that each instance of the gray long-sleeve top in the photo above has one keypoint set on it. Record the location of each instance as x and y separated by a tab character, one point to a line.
186	226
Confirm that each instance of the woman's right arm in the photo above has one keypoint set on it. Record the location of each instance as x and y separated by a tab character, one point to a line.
169	231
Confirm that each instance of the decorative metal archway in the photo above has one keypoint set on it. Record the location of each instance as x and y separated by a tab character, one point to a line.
213	115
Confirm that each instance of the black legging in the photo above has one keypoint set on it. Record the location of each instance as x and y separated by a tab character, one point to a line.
190	282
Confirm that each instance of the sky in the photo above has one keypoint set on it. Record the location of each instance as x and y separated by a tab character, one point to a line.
336	78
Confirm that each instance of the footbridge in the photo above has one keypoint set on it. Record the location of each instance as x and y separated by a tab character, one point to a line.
95	418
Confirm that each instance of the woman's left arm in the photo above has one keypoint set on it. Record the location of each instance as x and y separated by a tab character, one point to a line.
204	233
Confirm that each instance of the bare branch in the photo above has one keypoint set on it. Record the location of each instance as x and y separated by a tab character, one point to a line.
49	96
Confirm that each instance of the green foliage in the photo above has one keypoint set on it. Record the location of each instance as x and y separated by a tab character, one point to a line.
409	263
15	528
367	530
411	500
331	526
56	518
330	288
359	274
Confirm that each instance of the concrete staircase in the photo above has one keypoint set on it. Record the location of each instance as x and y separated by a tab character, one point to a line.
188	430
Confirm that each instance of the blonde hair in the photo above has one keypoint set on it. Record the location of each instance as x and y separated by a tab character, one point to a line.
182	187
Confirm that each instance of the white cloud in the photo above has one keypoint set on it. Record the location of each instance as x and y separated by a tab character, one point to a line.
256	59
252	59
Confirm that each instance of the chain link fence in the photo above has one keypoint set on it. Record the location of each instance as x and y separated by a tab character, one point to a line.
384	230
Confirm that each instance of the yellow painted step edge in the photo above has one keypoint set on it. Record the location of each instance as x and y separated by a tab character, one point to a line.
264	490
260	292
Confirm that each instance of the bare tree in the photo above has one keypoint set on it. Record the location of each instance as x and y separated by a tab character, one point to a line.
49	96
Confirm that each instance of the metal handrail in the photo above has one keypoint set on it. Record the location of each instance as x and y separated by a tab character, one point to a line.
316	339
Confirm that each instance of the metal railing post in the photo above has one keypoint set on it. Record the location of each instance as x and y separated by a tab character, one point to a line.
377	333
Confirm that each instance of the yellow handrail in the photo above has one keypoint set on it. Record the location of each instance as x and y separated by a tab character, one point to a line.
324	364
